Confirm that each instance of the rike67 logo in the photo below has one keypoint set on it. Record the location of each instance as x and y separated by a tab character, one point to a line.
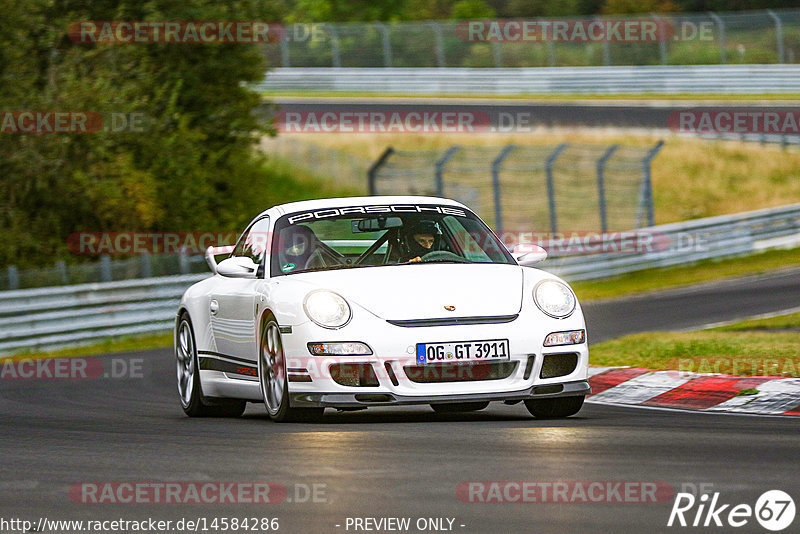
774	510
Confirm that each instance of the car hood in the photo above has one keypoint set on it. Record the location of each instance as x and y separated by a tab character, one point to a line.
422	291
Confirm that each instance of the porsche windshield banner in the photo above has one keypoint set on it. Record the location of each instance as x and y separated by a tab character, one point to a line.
369	210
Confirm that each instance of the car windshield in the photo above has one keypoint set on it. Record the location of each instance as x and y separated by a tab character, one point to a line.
370	236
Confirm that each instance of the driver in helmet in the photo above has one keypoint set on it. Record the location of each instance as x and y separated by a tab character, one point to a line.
419	240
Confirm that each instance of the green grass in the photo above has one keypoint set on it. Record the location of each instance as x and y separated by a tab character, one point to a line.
747	348
109	346
791	320
672	277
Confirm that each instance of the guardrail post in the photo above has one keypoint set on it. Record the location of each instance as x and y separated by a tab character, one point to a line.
551	194
439	166
723	53
372	173
647	186
778	34
13	277
601	186
336	57
439	43
387	44
105	268
498	205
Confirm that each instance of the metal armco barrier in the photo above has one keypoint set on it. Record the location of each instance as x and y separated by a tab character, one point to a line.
68	315
51	317
685	242
677	79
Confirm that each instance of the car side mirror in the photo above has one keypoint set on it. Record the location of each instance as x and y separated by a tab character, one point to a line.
237	267
528	254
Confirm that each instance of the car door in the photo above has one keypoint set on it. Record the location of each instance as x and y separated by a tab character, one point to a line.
233	303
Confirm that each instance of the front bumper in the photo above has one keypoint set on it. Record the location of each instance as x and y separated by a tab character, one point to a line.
363	400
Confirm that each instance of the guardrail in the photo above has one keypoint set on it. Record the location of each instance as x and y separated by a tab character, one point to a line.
52	317
688	242
60	316
683	79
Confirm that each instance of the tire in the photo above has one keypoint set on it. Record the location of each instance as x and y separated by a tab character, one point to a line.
190	391
554	408
460	407
273	378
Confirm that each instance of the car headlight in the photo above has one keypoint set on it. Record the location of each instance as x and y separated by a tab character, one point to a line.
327	309
554	298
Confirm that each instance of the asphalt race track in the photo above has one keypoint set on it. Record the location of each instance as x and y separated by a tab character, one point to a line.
404	462
695	306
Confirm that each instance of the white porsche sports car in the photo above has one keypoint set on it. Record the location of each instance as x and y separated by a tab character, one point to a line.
348	303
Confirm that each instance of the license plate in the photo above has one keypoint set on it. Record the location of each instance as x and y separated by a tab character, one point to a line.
466	351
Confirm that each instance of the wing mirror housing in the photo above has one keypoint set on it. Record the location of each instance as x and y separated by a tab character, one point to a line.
528	254
237	267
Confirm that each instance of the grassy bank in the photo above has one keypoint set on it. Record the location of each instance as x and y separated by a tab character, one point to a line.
763	347
673	277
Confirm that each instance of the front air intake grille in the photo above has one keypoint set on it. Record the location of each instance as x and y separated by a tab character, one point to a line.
449	372
452	321
554	365
354	374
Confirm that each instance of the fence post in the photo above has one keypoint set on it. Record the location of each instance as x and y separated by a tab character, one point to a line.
497	54
601	186
648	185
498	206
439	43
606	48
387	44
439	166
105	268
551	197
285	52
183	261
723	53
662	38
336	58
13	277
778	34
372	173
147	267
551	53
61	267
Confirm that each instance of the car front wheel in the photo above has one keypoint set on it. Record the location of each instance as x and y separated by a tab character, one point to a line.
554	408
273	378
